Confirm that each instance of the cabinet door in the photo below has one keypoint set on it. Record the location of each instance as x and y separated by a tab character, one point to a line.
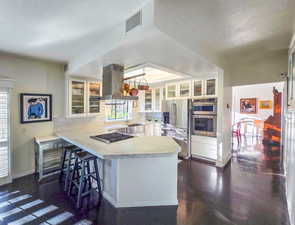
210	88
141	100
78	91
197	88
157	92
171	91
163	93
94	94
185	89
148	100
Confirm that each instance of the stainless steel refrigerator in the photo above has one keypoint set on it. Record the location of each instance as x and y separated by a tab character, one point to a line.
179	118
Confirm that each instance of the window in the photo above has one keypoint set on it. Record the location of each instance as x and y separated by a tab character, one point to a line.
4	134
118	110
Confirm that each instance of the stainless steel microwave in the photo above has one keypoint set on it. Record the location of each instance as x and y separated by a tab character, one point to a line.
204	107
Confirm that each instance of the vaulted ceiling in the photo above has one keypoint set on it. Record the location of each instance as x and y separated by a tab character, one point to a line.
214	30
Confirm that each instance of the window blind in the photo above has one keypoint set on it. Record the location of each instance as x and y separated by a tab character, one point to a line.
4	154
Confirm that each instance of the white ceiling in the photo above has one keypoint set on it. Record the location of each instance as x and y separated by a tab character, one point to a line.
228	27
61	30
56	29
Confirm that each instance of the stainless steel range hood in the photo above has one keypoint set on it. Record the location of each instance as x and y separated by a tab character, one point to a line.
112	82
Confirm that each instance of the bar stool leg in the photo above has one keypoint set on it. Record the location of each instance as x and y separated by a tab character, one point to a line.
97	177
68	172
81	184
89	178
72	176
63	163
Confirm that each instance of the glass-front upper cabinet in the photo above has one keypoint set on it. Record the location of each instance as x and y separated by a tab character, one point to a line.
171	91
185	89
210	87
197	88
148	100
157	92
94	90
78	90
164	93
83	97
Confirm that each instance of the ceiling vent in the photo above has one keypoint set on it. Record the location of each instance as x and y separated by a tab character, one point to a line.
133	21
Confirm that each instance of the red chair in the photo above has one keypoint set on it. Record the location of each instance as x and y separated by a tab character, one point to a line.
236	132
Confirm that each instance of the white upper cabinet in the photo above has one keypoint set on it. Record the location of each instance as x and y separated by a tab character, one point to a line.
83	97
148	101
197	88
157	99
171	91
95	92
184	89
204	88
210	87
77	97
151	100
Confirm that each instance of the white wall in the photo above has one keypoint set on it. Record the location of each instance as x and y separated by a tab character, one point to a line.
31	76
289	154
258	91
259	70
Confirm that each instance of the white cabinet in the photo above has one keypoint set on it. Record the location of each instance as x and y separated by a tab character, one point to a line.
83	97
204	147
151	100
210	87
148	100
184	89
157	99
171	91
197	88
204	88
179	90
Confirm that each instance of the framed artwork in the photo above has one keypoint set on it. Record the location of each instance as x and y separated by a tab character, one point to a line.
248	105
35	108
265	104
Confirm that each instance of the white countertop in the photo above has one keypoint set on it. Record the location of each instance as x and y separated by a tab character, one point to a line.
42	139
143	146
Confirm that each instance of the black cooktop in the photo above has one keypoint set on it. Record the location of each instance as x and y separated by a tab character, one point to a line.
111	137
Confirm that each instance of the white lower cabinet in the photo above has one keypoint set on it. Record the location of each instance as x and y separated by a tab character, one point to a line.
204	147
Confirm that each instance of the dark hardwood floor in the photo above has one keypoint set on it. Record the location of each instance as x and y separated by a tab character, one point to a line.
244	193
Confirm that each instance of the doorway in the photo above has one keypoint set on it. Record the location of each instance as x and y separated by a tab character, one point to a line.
257	125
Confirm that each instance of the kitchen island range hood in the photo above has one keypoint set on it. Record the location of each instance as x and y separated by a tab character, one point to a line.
112	81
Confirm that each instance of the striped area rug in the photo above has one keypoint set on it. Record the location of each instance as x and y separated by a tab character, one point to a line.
18	209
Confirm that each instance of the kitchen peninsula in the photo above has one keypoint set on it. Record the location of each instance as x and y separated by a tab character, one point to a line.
139	171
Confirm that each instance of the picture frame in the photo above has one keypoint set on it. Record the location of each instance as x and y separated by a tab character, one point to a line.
35	108
265	104
248	105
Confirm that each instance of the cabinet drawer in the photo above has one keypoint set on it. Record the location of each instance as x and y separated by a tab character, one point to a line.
204	150
204	139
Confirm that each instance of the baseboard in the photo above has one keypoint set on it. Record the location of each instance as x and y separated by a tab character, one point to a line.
22	174
224	163
137	204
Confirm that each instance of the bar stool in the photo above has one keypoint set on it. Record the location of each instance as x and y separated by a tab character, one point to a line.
67	163
82	176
